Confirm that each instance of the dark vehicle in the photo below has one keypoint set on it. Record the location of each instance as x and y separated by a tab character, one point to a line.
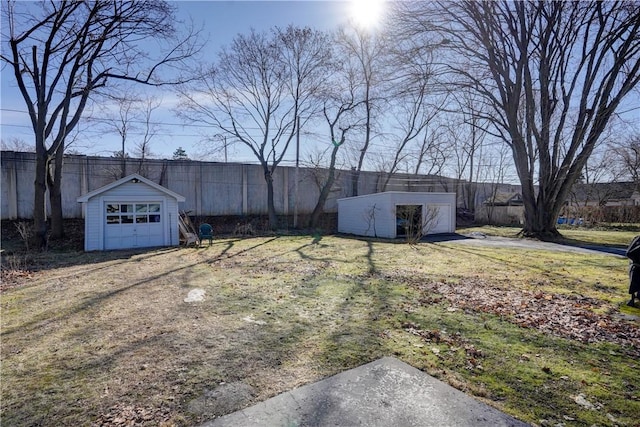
633	253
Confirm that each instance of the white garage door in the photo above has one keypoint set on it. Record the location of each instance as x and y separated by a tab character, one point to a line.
442	222
133	225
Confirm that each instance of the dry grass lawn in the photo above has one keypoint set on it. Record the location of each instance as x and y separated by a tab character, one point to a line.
107	338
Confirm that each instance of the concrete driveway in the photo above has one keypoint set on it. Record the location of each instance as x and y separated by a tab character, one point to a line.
479	239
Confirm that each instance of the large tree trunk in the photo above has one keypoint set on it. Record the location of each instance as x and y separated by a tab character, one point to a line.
539	208
540	220
39	206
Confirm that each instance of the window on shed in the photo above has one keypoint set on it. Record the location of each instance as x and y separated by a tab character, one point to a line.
130	213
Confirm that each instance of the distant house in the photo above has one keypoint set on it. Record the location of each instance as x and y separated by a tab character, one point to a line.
604	202
503	208
504	199
605	194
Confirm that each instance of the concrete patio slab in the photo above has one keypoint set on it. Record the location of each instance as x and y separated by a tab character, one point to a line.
383	393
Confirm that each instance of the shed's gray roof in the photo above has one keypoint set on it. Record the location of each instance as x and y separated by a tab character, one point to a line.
121	181
505	199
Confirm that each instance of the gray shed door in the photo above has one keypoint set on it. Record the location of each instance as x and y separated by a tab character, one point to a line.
133	225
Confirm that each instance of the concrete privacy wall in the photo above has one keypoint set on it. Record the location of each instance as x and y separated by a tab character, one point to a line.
210	188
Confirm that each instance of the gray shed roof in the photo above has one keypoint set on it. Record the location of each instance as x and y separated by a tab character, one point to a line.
505	199
132	177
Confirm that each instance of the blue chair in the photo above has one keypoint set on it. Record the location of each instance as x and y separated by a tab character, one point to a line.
206	232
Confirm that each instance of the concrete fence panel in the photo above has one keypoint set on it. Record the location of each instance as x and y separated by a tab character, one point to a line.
210	188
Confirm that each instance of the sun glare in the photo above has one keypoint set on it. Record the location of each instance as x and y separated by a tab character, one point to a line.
367	13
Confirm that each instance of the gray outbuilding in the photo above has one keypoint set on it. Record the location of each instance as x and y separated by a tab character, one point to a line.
131	212
394	214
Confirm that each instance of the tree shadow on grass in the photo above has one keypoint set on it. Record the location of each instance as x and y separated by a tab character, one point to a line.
342	332
53	315
42	261
229	244
372	269
606	249
443	237
89	353
357	338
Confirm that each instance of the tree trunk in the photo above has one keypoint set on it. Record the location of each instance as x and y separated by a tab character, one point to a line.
123	160
39	206
273	219
355	178
326	189
55	195
541	216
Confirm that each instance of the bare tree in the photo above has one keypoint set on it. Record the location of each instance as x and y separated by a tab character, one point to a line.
413	100
551	74
626	155
120	122
604	177
16	144
411	111
416	221
364	53
493	174
256	92
339	106
149	131
467	138
308	59
62	52
431	154
133	122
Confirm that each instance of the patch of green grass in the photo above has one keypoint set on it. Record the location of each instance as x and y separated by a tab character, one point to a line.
524	372
630	311
571	235
90	334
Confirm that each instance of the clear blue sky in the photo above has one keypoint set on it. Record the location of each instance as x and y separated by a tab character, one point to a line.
221	20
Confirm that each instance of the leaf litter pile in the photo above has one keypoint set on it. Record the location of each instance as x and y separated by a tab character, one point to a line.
122	415
566	316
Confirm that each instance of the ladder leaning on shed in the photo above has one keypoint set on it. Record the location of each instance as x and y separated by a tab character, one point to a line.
188	234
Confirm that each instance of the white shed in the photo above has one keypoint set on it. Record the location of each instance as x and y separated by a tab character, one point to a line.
389	214
131	212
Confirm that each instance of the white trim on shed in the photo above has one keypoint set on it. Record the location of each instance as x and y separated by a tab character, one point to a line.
376	215
131	212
